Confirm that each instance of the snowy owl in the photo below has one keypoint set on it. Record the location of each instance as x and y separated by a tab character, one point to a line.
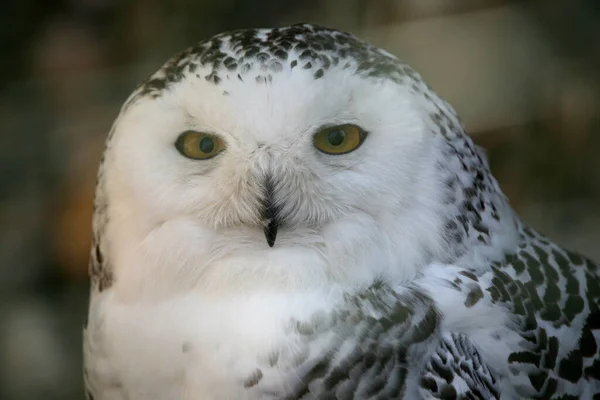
292	213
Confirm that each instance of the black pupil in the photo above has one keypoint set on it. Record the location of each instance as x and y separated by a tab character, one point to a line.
207	145
336	137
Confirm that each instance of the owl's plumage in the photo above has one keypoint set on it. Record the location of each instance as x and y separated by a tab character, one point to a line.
273	270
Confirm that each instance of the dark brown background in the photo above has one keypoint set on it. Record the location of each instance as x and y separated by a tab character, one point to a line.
524	77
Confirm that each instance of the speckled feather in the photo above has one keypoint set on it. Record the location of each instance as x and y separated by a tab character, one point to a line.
397	340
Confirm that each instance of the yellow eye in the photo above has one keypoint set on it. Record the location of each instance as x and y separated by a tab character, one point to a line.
340	139
198	145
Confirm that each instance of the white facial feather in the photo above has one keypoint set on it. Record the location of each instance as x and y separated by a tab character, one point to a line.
350	218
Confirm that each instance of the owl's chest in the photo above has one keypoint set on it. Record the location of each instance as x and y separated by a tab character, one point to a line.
196	347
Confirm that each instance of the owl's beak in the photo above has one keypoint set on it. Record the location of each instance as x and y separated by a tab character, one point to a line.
271	228
271	211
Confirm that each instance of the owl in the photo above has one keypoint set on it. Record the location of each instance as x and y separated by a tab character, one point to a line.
292	213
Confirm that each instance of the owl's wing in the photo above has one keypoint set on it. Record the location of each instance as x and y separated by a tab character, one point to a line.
552	296
456	371
544	336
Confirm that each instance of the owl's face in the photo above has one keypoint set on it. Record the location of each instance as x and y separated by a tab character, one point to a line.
313	179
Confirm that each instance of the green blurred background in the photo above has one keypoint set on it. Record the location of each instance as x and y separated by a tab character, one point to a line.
525	77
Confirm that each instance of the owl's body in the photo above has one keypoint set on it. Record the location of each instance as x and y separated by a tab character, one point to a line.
294	214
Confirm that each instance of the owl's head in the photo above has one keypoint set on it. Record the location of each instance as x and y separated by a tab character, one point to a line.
290	157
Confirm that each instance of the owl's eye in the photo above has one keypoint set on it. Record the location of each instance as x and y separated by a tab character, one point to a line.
340	139
199	145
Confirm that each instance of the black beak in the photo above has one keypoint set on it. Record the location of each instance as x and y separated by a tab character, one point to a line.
271	212
271	231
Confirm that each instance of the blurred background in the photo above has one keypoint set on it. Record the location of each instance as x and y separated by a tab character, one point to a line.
525	77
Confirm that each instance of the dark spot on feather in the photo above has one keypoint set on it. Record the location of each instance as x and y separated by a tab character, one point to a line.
473	297
429	384
253	379
448	393
469	275
186	347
